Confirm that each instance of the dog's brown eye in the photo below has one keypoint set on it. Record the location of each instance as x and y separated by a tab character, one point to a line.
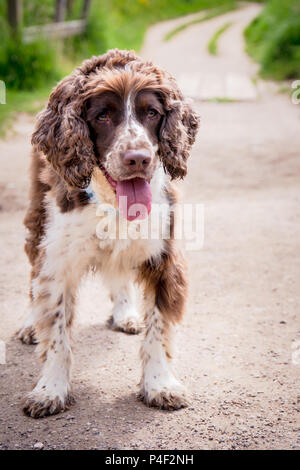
151	113
103	116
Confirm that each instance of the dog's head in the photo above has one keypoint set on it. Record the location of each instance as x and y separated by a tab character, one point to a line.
119	113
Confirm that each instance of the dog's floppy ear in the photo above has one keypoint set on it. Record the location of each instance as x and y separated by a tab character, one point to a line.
177	134
63	135
61	132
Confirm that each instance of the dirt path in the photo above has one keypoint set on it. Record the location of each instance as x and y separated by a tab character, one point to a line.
239	344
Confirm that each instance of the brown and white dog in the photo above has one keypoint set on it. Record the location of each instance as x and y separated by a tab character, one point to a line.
117	127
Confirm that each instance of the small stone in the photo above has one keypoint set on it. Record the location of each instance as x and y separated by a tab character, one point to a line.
38	446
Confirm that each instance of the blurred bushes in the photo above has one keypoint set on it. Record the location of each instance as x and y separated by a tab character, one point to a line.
27	66
273	39
38	12
111	23
123	23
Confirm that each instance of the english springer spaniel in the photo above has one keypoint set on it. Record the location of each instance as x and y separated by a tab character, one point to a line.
112	137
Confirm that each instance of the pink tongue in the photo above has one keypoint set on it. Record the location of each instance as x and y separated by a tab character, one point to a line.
134	198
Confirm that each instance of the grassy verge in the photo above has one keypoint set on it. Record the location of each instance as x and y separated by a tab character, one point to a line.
208	16
30	71
39	84
273	39
125	22
212	46
221	99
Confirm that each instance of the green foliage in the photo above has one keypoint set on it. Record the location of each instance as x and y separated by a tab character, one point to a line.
30	70
38	12
208	16
111	23
273	39
27	66
213	43
123	23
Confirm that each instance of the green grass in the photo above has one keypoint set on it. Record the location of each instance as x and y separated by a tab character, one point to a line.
273	39
284	89
221	99
123	23
212	46
33	100
221	10
27	66
30	71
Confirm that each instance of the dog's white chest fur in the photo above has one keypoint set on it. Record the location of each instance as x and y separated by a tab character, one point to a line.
96	234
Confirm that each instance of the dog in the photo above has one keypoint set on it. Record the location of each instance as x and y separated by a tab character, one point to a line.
117	129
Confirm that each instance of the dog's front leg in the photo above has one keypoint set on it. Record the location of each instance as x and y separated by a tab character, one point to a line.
165	294
53	304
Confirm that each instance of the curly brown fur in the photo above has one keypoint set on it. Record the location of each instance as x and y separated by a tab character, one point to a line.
166	277
63	135
36	214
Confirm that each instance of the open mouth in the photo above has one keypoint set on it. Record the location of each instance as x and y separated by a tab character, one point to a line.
133	195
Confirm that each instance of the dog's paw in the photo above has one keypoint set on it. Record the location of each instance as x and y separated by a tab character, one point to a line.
48	398
27	335
39	405
165	396
128	324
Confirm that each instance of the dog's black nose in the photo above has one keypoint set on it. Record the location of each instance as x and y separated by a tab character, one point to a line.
137	159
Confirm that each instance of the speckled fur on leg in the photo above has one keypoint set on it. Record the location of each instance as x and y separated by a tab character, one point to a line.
53	305
158	386
165	295
125	315
27	333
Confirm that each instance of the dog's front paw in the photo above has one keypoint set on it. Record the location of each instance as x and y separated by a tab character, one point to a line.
27	335
40	403
127	324
168	395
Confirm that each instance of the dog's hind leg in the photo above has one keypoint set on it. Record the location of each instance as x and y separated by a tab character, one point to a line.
125	315
27	333
34	221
